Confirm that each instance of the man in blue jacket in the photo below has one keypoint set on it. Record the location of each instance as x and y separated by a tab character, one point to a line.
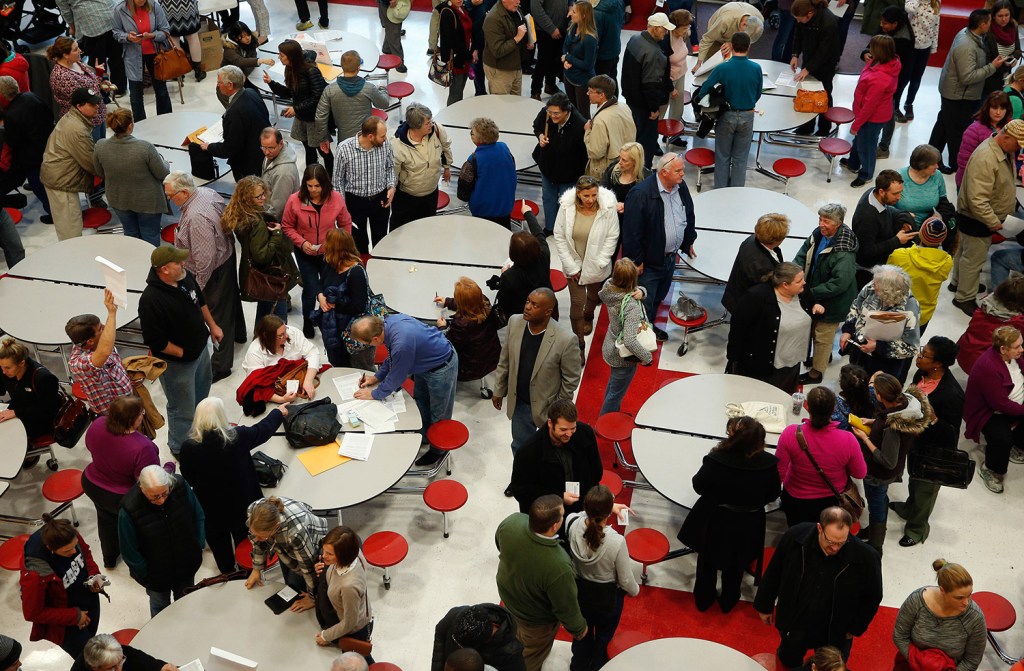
658	222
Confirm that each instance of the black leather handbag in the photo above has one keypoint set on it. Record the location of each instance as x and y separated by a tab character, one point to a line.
949	468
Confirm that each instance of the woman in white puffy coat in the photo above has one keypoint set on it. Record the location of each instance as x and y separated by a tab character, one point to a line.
586	235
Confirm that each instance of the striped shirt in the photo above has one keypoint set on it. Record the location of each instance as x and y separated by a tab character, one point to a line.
297	541
362	172
200	232
89	17
101	385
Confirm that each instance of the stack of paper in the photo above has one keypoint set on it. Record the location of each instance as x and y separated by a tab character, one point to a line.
347	385
115	279
356	446
214	133
786	79
710	64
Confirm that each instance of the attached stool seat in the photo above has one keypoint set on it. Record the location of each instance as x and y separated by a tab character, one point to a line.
63	487
670	129
78	392
618	428
839	115
999	616
703	159
12	551
623	640
385	549
445	496
443	200
41	445
447	435
16	215
399	90
96	217
612	481
380	114
125	636
388	62
243	556
833	147
167	233
384	666
647	546
789	168
519	210
558	281
688	325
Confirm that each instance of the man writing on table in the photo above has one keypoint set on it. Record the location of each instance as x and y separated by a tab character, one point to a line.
413	349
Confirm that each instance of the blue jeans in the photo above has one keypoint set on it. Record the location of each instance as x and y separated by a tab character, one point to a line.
523	427
877	498
657	282
311	268
590	653
434	393
136	92
618	385
551	192
646	134
782	47
1003	262
185	384
160	600
279	308
865	146
100	132
141	225
733	134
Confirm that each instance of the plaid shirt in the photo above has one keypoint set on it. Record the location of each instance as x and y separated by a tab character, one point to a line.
297	541
363	173
89	17
200	232
101	385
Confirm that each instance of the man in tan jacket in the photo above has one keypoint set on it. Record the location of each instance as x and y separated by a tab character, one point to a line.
67	163
540	363
423	155
611	126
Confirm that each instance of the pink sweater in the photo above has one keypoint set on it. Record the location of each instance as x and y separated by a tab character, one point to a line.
872	100
301	222
836	451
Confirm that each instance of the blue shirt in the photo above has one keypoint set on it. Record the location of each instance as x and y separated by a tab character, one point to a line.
675	217
413	347
741	80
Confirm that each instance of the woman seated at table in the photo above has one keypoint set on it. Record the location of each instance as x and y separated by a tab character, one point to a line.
530	269
104	653
290	529
277	350
345	297
771	329
756	257
119	453
217	463
737	479
490	187
941	618
804	492
994	405
1002	307
624	173
33	391
889	291
342	600
57	595
472	330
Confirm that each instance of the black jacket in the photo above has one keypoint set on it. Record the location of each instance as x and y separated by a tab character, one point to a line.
818	42
243	122
856	591
453	37
28	123
565	157
876	233
753	264
643	223
34	398
134	660
536	470
948	406
503	651
645	83
518	282
173	315
306	97
754	331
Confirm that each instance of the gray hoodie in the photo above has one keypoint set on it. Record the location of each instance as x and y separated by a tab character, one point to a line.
610	562
348	100
282	174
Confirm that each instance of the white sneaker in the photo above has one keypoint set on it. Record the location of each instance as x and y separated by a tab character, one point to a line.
993	481
1017	455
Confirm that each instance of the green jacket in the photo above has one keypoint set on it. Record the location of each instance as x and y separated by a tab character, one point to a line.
535	576
872	10
833	283
264	249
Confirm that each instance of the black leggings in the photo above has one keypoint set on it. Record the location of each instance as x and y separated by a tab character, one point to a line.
312	154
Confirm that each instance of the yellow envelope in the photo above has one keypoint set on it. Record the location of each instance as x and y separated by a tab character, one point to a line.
322	458
855	422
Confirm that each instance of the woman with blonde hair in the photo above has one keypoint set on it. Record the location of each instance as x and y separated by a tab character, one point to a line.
623	299
941	617
579	55
624	173
344	298
291	530
342	599
472	330
264	244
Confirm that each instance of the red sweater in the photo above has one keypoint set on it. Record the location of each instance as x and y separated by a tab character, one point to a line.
978	336
872	100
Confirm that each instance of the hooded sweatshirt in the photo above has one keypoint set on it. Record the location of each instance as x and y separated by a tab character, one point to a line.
348	101
872	100
928	268
610	562
53	589
894	433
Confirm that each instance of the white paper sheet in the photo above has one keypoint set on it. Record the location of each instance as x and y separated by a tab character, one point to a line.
624	517
214	133
837	10
383	427
812	86
322	54
232	658
785	78
395	402
1011	226
572	487
287	594
767	84
356	446
347	386
115	279
194	665
707	66
291	386
884	331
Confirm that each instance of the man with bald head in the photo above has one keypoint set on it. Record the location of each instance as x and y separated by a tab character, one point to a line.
540	363
658	223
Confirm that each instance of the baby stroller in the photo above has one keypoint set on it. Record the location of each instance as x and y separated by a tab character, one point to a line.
44	22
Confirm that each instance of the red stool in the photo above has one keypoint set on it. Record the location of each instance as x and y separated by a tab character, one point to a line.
445	496
12	551
388	62
443	200
833	147
999	616
670	129
41	445
789	168
167	233
380	114
63	487
385	549
380	355
612	481
78	392
558	281
384	666
399	90
519	208
16	215
839	116
447	435
624	640
617	427
688	325
125	636
95	217
243	556
647	546
703	159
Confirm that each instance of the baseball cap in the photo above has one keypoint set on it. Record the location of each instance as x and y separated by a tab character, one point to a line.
165	254
1015	129
83	95
659	20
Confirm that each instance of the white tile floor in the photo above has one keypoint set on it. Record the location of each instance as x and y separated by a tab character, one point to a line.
975	527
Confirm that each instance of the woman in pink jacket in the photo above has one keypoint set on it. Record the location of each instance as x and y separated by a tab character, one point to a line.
308	215
872	106
995	113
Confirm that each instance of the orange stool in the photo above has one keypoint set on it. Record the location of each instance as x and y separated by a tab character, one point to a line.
558	281
688	325
833	147
670	129
612	481
624	640
16	215
41	445
647	546
445	496
243	556
12	552
95	217
63	487
125	636
446	435
443	200
703	159
167	233
380	114
399	90
385	549
999	616
789	168
617	427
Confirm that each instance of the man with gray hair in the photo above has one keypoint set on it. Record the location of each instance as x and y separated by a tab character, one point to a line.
279	170
349	661
244	120
161	528
103	652
423	155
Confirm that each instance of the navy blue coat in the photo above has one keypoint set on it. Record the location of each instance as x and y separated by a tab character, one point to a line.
643	223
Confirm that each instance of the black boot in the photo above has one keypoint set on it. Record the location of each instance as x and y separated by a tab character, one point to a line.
197	68
876	536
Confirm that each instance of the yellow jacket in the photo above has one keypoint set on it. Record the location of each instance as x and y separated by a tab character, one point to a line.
928	268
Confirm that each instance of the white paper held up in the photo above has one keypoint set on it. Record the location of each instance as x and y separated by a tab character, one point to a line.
1012	226
115	279
710	64
834	7
885	326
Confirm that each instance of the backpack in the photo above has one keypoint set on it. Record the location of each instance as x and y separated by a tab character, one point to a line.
310	424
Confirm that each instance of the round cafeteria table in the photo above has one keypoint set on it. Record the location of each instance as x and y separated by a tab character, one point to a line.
771	71
668	461
177	159
234	619
448	238
699	655
737	209
338	42
35	311
521	147
716	252
409	287
773	114
513	114
696	404
72	261
170	130
13	447
409	420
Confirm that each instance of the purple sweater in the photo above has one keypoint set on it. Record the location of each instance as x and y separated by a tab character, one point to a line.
117	460
836	451
975	134
988	392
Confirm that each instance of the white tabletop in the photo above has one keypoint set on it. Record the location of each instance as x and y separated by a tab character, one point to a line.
36	311
170	130
699	655
771	71
772	114
73	261
737	209
340	41
521	147
696	404
14	443
668	462
716	252
177	159
448	238
513	114
232	618
409	287
409	420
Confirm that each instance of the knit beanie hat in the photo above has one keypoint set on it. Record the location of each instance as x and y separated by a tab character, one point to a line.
933	232
10	651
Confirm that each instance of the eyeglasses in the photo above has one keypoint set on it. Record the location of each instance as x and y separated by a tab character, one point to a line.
921	353
153	498
261	196
831	543
266	149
